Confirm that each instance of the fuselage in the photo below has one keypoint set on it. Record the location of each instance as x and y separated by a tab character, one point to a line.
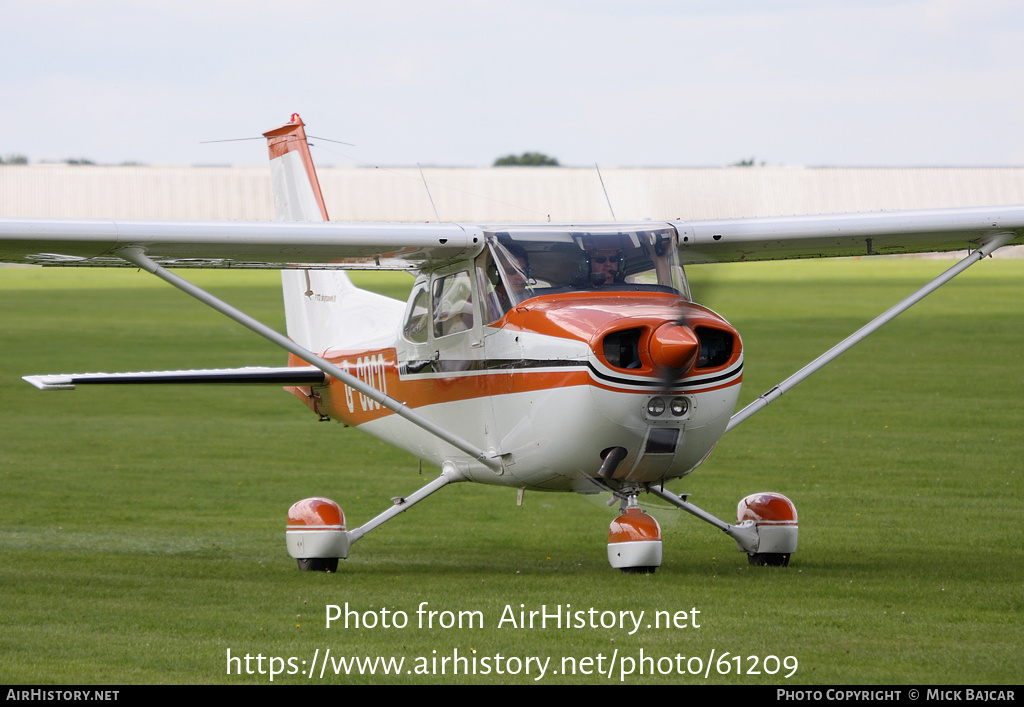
551	386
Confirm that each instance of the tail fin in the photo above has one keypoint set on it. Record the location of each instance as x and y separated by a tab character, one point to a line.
297	194
323	309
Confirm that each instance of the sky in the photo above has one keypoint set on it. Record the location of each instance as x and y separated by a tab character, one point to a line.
645	83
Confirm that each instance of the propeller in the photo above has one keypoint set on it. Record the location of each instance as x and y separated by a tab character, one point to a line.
674	348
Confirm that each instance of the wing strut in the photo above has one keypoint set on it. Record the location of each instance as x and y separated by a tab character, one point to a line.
984	250
136	256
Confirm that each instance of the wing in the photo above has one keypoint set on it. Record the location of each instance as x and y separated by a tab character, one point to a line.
394	246
237	244
882	233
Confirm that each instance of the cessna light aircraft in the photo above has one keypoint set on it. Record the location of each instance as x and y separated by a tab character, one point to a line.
536	356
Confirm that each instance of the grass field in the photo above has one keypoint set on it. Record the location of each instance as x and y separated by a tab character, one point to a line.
141	530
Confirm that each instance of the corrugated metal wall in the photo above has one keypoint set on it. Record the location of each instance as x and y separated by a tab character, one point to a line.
502	194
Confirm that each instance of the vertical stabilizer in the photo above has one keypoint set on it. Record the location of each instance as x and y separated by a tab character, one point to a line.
297	194
323	309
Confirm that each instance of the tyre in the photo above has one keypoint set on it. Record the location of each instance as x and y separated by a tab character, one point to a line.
319	564
769	559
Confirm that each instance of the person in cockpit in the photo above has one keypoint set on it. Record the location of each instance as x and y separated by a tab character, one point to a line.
605	262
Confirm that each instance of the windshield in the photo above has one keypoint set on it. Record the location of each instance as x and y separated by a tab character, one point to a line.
534	262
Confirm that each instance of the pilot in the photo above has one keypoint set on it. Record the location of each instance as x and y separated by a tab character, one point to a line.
606	262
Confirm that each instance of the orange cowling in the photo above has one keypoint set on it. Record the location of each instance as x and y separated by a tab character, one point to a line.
633	525
312	513
674	347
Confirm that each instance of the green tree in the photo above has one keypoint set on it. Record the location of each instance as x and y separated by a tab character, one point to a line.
527	159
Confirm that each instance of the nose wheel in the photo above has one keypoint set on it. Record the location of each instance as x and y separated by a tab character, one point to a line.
634	539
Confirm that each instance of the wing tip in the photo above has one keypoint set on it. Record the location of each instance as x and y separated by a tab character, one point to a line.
50	382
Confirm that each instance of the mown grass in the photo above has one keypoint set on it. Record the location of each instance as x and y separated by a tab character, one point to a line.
141	530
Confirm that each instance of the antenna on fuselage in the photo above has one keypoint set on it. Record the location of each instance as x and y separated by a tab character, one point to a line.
605	191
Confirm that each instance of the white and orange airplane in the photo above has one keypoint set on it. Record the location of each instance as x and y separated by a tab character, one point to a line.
536	356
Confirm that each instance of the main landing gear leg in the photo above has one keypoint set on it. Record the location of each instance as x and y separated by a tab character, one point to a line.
766	527
316	534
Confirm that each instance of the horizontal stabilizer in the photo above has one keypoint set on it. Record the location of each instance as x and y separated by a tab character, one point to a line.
286	375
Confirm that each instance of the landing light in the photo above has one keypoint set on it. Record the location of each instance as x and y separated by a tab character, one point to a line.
655	407
679	406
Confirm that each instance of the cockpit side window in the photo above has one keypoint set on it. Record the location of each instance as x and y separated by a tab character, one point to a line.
417	320
452	297
512	279
493	292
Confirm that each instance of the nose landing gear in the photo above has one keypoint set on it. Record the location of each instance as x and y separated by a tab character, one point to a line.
634	539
